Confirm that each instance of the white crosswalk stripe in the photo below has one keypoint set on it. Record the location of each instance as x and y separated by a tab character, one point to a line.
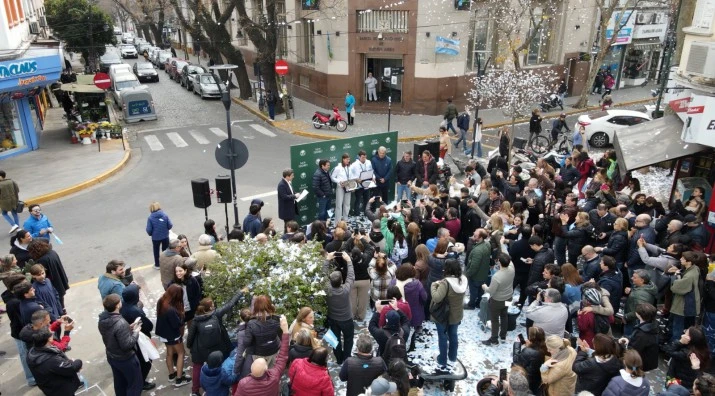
199	137
219	132
177	139
154	143
263	130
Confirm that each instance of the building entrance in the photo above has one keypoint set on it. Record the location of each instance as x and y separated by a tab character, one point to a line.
386	85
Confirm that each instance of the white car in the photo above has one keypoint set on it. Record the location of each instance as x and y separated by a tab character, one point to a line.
601	127
128	51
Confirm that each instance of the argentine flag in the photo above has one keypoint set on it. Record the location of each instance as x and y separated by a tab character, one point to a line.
446	46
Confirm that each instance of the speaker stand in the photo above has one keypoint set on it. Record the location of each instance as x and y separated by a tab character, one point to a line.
206	213
225	207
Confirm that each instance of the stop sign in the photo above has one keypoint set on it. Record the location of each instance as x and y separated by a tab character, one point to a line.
102	81
281	67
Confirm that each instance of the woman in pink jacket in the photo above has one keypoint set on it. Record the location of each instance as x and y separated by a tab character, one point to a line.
309	376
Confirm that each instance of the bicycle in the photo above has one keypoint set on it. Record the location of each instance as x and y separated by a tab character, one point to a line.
541	144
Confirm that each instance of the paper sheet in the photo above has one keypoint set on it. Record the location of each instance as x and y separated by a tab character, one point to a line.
302	195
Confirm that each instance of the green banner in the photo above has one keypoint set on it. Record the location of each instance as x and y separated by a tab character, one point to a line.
304	161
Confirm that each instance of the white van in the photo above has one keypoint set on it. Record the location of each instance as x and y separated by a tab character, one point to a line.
119	68
120	82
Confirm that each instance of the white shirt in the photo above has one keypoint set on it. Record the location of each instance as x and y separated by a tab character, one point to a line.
371	82
340	174
358	167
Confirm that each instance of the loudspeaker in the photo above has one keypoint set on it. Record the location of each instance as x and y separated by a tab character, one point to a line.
519	143
223	189
432	146
202	193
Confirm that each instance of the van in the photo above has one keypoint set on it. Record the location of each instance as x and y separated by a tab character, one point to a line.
121	82
119	69
138	105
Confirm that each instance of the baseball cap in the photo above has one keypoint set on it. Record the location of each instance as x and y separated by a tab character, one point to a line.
392	319
381	386
258	202
689	218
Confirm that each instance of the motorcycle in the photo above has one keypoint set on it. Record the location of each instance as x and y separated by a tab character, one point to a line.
321	119
550	103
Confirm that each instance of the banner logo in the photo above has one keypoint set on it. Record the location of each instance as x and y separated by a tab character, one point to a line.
302	153
388	140
360	143
303	175
332	147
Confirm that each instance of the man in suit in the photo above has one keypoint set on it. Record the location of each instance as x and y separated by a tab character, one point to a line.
287	204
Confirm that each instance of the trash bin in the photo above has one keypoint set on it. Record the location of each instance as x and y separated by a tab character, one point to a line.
513	313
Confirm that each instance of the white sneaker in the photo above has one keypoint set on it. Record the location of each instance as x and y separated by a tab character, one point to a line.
14	228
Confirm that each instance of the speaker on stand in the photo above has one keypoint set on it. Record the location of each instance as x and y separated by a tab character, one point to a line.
202	194
224	194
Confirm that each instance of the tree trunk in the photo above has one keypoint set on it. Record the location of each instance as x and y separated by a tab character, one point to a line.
511	140
146	31
583	99
234	56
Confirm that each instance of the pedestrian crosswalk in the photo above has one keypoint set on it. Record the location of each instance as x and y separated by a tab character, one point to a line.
159	141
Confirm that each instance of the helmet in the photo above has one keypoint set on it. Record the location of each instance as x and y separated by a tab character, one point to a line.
593	296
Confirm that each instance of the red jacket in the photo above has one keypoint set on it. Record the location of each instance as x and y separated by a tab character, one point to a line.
64	342
402	305
587	327
584	168
308	379
269	383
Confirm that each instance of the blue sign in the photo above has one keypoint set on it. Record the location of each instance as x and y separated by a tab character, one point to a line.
27	73
17	68
138	107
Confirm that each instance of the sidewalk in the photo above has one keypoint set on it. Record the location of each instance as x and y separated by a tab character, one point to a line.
66	168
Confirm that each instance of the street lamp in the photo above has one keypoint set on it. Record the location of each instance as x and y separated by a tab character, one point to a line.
480	74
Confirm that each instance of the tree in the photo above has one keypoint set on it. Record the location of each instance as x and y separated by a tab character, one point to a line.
149	16
515	91
82	25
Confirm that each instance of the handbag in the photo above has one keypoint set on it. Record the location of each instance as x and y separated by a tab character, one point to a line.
146	345
20	206
440	310
352	112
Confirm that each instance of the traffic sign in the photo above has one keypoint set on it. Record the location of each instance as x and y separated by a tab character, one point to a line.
240	154
102	81
281	67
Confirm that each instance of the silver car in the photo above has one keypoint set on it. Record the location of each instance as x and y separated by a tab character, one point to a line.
160	58
206	87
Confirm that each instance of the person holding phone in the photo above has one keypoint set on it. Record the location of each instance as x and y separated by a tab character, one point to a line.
340	313
120	339
532	354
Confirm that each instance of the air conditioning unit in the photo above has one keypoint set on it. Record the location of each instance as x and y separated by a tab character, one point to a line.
701	60
659	18
43	21
644	18
34	28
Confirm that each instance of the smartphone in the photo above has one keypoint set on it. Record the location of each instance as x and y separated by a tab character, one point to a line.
384	302
378	198
502	375
68	319
521	339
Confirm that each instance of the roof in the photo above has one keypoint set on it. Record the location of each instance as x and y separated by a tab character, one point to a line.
81	88
634	113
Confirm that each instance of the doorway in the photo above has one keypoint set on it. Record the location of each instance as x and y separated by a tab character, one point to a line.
386	85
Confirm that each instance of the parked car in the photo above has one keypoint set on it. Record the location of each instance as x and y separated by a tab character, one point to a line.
122	68
205	86
108	59
175	67
186	72
121	82
127	38
143	48
137	105
152	54
145	72
128	51
160	58
601	127
167	64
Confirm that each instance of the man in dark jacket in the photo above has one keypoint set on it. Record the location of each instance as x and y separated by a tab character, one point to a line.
28	303
12	306
382	168
130	311
322	188
591	263
120	343
463	125
569	174
644	230
287	204
252	222
54	372
450	113
340	314
602	221
405	172
695	229
360	370
543	256
520	253
671	235
426	171
263	381
644	338
612	280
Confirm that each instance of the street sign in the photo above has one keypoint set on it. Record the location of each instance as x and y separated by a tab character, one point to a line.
102	81
281	67
240	152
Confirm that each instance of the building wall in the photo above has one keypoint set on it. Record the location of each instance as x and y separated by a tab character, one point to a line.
14	31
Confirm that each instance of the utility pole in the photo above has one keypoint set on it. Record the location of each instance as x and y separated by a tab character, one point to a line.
480	74
90	61
670	46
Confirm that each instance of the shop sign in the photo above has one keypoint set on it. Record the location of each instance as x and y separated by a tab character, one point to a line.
697	128
648	31
31	80
17	69
627	21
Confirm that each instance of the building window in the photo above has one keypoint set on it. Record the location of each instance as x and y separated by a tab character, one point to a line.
11	12
307	38
282	50
304	81
481	39
387	21
11	136
540	46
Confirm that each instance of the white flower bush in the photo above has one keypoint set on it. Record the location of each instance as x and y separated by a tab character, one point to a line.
292	276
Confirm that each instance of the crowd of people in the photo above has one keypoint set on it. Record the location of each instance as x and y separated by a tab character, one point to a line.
608	279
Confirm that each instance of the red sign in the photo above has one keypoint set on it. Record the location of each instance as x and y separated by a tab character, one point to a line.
102	81
696	109
281	67
680	105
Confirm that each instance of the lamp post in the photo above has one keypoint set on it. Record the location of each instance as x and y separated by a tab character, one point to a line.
670	44
480	74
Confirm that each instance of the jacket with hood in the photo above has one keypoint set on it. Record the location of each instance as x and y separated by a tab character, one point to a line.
377	239
453	289
130	309
47	296
416	296
269	383
531	360
207	333
298	351
21	254
625	385
381	335
593	375
119	340
54	372
110	284
561	378
643	294
578	237
215	381
644	339
158	226
359	371
308	379
12	306
252	225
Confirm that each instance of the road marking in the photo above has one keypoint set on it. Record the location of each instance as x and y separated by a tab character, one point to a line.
154	143
237	121
252	197
263	130
177	139
199	137
218	132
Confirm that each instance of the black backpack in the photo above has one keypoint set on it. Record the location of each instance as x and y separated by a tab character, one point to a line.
394	348
602	324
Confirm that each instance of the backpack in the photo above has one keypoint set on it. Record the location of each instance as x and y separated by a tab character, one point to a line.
440	310
399	253
394	348
602	324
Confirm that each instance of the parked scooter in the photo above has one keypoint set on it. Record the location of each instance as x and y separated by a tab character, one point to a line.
550	103
321	119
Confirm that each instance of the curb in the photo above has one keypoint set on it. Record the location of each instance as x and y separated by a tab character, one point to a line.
321	136
85	184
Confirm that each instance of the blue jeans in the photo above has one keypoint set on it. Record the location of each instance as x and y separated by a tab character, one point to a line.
451	126
475	293
402	190
475	146
709	327
272	111
447	334
323	208
679	324
14	220
22	351
462	138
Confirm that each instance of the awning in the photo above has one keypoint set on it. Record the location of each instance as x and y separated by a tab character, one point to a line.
81	88
645	44
652	142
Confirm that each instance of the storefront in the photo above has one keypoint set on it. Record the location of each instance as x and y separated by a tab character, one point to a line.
23	99
615	57
644	53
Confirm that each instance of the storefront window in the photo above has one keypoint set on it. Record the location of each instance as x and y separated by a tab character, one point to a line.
636	65
11	136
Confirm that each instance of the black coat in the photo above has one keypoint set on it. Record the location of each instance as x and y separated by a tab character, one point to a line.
208	334
521	250
12	306
679	366
55	373
55	271
570	175
287	206
322	185
577	239
531	360
535	124
432	172
130	309
299	352
644	339
193	291
119	340
21	255
405	171
541	258
592	375
617	246
263	337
